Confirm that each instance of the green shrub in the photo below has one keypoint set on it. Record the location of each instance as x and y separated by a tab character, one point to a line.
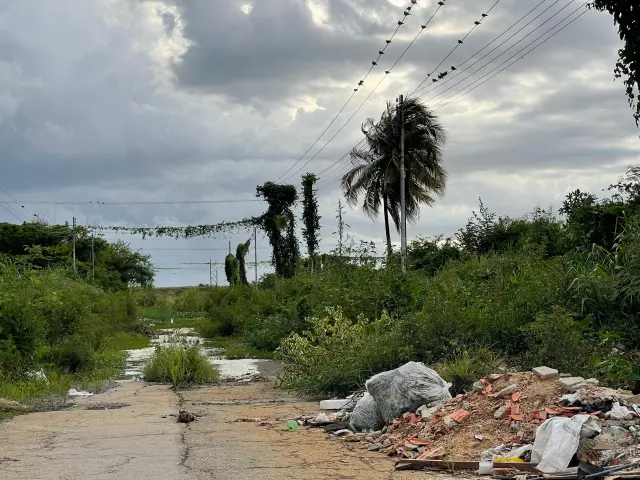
337	355
463	368
181	366
559	341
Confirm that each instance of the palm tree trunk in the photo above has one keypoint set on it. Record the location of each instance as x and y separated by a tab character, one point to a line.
386	224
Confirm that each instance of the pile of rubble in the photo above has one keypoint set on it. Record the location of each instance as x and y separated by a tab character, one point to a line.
537	421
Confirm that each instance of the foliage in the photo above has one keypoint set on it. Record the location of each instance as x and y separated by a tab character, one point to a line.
431	256
51	318
337	355
310	216
231	270
38	246
376	173
278	222
180	365
625	16
485	233
241	253
189	231
463	368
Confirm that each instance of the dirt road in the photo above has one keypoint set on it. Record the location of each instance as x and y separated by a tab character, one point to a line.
136	442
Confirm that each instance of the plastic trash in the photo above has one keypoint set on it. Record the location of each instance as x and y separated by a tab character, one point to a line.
486	468
74	393
618	412
292	426
366	416
556	442
406	388
334	404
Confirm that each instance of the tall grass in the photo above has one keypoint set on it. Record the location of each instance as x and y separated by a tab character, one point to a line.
180	365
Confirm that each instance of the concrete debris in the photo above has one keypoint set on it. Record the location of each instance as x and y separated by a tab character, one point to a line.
571	384
545	373
519	413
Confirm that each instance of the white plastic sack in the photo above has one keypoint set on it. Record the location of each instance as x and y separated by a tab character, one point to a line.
406	388
366	416
556	442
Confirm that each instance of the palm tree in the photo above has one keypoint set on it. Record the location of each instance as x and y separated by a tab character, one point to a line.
375	175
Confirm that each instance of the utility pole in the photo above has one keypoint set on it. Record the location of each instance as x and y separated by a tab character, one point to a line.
210	273
255	252
93	255
229	247
74	243
403	200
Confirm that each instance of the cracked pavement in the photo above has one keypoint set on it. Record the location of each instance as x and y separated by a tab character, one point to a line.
136	442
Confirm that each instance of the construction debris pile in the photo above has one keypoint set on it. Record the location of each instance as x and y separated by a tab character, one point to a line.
539	422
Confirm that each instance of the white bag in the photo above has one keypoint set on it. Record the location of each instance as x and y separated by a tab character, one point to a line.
406	388
366	417
556	442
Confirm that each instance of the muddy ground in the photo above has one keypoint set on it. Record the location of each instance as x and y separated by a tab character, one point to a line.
131	432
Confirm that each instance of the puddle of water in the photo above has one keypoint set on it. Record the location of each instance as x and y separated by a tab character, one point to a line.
229	369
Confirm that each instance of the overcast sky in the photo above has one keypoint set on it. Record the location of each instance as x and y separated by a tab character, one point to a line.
136	100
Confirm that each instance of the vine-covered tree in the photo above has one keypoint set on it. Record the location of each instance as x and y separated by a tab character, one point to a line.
278	222
375	176
241	253
231	269
310	217
627	17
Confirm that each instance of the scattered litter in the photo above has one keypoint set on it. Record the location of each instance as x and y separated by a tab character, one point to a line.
248	420
479	437
292	426
74	393
619	412
334	404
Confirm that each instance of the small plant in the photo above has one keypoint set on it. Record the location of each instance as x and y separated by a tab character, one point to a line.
180	365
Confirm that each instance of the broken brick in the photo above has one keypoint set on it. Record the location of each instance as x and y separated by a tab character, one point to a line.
515	396
515	409
516	417
459	415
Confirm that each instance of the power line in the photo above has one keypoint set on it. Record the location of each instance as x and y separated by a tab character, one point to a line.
458	68
476	24
407	12
507	50
386	74
506	61
442	105
460	42
143	202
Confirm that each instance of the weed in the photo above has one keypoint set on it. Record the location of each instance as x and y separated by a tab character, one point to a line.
181	366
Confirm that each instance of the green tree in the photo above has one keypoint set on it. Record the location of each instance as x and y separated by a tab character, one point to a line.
625	16
231	269
310	217
375	176
278	222
241	253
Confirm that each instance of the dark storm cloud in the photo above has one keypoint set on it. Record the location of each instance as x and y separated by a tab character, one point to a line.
131	100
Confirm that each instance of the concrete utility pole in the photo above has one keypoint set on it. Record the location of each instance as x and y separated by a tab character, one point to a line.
210	273
74	243
403	200
255	252
229	247
93	255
